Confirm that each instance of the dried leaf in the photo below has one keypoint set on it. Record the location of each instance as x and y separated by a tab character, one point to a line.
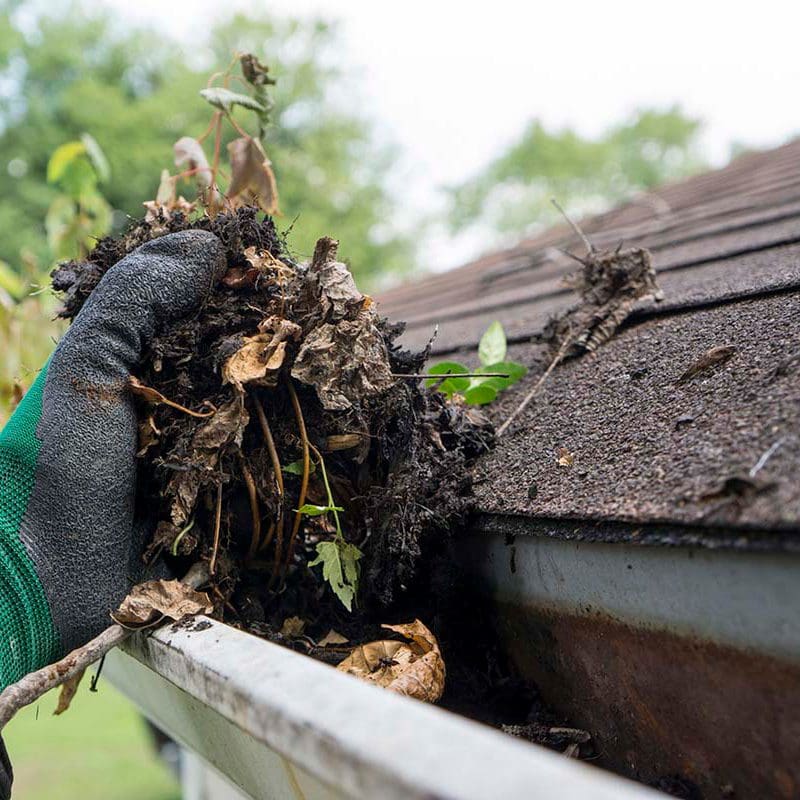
344	358
332	638
189	154
609	285
293	627
565	458
224	429
150	602
709	359
68	690
260	357
254	71
252	179
415	669
343	441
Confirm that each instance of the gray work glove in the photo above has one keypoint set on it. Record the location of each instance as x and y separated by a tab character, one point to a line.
71	538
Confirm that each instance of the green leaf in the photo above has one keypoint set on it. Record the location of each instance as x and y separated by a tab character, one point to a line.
225	100
296	467
492	347
97	157
450	385
514	371
10	282
340	568
310	510
61	159
480	395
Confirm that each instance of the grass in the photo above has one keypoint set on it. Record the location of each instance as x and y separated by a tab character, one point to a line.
98	749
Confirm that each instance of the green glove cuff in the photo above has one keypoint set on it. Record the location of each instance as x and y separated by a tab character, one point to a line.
28	638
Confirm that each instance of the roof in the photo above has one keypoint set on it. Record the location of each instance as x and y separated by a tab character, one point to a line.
649	451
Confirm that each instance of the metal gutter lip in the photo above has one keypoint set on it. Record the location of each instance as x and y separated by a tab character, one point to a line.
356	739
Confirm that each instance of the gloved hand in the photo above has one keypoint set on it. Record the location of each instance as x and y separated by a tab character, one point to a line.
70	536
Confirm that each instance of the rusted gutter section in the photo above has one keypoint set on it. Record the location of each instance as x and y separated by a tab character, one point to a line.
681	661
280	725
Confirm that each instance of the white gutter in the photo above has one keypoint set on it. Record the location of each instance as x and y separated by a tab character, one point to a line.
281	725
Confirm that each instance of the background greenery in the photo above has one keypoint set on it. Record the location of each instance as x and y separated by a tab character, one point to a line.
99	750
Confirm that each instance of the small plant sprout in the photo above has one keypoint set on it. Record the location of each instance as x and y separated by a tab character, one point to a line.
338	558
484	384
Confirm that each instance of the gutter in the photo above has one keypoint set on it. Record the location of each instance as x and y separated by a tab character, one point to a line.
278	724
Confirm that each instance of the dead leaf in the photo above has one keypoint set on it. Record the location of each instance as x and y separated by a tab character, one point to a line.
344	356
68	690
343	441
565	458
260	357
224	429
293	627
150	602
254	71
189	154
331	638
709	359
609	285
414	668
148	435
252	179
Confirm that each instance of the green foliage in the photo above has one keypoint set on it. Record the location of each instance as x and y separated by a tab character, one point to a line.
340	568
296	468
338	558
479	390
80	214
137	93
512	194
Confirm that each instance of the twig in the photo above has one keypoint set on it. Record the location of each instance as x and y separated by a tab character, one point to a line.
537	386
765	457
445	375
255	539
212	565
301	424
276	468
32	686
574	225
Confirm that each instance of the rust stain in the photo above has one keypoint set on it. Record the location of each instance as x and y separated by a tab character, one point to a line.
659	704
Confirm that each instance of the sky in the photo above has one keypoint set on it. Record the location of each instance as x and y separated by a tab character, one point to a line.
452	83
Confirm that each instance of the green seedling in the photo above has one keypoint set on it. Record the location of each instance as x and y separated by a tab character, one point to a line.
484	386
339	559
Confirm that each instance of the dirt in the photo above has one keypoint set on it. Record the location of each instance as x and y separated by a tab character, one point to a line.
403	477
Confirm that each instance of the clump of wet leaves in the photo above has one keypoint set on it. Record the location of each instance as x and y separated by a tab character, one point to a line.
277	443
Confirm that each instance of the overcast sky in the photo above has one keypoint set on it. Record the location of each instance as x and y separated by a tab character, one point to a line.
453	82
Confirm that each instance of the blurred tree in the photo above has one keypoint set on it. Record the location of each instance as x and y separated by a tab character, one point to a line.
136	93
512	194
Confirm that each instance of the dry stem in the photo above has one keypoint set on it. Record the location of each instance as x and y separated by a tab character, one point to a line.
32	686
255	539
212	565
276	468
557	358
301	424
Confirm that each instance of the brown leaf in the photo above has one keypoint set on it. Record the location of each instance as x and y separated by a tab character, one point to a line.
293	627
344	357
254	71
252	179
68	690
189	153
343	441
260	357
414	668
709	359
331	638
150	602
224	429
565	458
